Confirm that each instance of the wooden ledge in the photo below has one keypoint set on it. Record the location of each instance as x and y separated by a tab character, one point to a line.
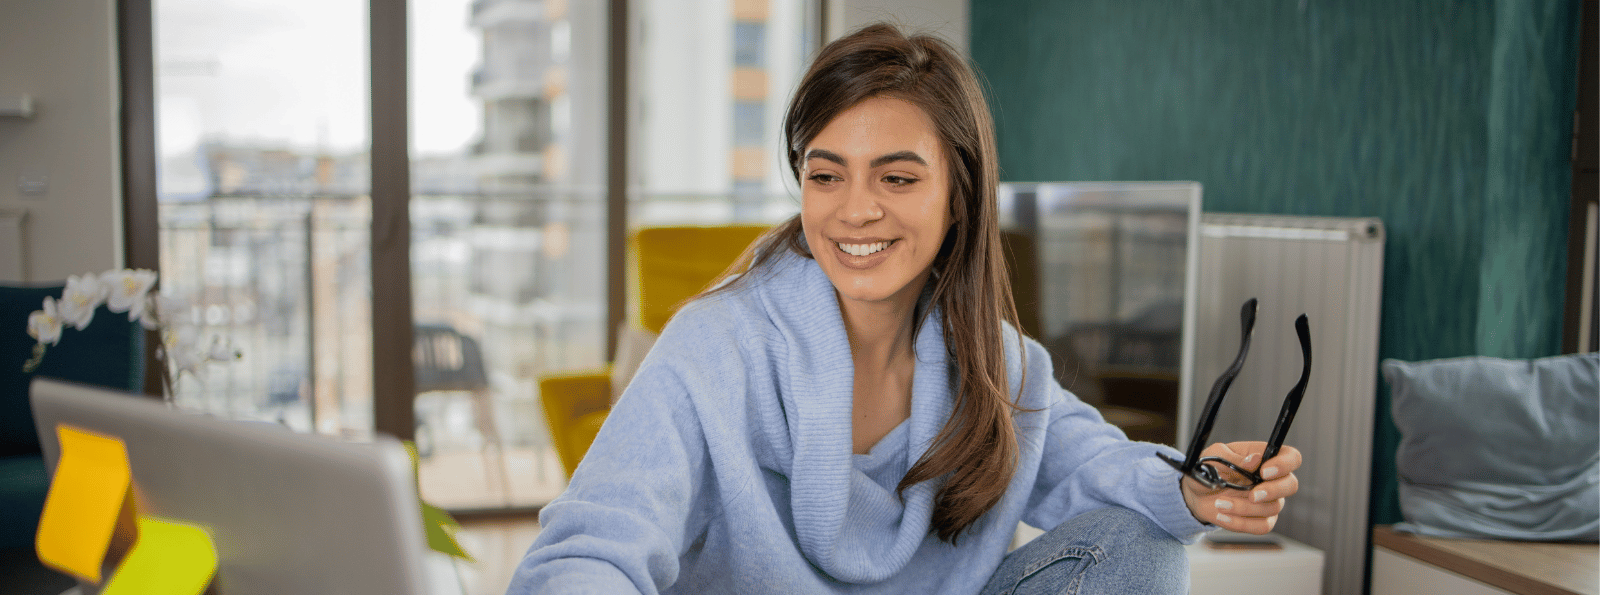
1526	567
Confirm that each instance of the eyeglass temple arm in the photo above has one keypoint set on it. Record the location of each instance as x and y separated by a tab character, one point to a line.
1219	389
1291	403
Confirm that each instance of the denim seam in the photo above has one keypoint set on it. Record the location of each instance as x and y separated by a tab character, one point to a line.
1092	554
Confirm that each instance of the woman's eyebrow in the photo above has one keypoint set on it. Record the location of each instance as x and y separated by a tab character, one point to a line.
879	162
826	154
899	156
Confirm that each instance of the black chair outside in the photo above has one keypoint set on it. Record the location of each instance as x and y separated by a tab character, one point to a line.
446	360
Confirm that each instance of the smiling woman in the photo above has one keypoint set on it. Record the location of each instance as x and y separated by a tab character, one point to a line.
874	209
852	407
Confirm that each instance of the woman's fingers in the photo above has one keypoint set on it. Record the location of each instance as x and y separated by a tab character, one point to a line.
1236	506
1231	510
1253	525
1247	511
1276	489
1237	453
1287	461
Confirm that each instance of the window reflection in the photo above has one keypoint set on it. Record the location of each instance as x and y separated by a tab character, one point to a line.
1100	272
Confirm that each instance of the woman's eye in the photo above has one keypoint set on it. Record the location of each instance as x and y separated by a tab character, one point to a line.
898	180
823	178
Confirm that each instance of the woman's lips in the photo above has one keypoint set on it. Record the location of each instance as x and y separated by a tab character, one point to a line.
863	253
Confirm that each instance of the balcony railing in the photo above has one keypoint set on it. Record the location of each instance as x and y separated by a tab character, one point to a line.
286	280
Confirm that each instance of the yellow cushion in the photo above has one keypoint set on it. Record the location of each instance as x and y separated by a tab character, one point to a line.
582	433
567	399
667	265
672	264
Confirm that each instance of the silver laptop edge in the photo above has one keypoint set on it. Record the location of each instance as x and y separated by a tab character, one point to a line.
287	512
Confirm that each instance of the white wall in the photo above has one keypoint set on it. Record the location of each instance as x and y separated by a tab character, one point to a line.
945	18
62	53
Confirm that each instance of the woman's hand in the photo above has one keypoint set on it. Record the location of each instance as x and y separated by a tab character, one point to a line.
1254	511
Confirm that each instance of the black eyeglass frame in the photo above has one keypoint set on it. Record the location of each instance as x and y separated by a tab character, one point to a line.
1204	470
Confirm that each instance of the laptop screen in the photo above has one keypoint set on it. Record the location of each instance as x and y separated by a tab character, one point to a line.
286	512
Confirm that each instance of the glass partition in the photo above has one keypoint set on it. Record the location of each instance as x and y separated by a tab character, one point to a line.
1104	275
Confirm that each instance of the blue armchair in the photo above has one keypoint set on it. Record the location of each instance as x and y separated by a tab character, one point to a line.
110	352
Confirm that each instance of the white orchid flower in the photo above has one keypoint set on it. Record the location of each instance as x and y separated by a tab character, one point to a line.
182	350
128	288
82	296
45	325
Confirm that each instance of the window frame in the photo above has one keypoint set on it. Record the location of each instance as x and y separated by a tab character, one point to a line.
392	320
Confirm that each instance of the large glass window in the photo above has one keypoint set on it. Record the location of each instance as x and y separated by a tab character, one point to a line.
711	81
265	168
262	139
508	254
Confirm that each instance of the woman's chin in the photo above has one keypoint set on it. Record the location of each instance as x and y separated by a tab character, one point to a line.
856	289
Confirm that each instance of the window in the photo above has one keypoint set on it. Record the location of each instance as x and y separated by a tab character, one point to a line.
262	142
712	81
265	200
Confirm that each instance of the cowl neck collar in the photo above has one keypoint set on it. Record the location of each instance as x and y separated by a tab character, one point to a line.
849	526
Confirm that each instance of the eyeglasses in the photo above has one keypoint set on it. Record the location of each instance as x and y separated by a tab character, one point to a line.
1205	470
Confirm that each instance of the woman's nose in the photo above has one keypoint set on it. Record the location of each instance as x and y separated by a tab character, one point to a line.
860	207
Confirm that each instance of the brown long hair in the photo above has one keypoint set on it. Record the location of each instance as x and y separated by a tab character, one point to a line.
976	449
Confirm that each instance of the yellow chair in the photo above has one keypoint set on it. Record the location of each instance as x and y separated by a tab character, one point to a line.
666	266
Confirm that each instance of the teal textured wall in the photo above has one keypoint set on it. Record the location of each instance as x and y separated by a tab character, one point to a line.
1449	120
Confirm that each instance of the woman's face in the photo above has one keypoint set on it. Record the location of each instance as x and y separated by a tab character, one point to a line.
876	200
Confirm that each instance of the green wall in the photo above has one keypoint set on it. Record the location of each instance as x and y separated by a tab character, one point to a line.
1451	121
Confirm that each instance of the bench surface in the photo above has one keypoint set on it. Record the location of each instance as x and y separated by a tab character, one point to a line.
1530	568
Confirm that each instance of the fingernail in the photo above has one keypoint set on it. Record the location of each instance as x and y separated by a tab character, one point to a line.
1272	521
1224	504
1259	496
1269	473
1222	518
1250	457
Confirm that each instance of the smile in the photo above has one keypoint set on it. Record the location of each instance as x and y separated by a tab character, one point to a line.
864	249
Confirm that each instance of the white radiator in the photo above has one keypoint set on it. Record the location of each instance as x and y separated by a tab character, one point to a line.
1331	269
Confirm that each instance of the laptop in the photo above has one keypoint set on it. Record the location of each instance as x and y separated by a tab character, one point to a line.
287	512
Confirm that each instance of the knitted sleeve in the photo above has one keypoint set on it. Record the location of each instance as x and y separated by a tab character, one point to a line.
640	497
1087	463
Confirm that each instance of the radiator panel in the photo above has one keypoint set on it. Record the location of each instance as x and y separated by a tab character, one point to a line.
1331	269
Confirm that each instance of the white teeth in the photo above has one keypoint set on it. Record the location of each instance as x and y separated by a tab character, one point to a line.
863	249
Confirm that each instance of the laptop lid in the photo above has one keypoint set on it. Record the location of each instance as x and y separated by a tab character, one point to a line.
287	512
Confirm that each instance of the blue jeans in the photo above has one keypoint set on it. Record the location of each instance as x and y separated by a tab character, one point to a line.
1109	550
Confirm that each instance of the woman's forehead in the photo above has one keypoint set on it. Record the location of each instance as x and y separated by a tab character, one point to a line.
876	127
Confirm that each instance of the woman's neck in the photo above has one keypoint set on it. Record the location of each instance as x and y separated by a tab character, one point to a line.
879	333
880	349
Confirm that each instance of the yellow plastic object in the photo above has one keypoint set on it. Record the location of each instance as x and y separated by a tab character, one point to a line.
437	524
672	264
567	399
170	557
91	489
666	266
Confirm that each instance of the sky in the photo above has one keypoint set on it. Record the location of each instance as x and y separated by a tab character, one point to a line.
293	73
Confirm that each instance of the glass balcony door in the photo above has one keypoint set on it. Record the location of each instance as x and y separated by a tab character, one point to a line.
265	195
508	224
263	143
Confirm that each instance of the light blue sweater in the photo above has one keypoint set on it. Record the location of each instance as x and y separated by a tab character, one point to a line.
726	466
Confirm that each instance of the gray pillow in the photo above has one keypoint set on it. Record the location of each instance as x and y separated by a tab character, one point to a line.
1496	448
